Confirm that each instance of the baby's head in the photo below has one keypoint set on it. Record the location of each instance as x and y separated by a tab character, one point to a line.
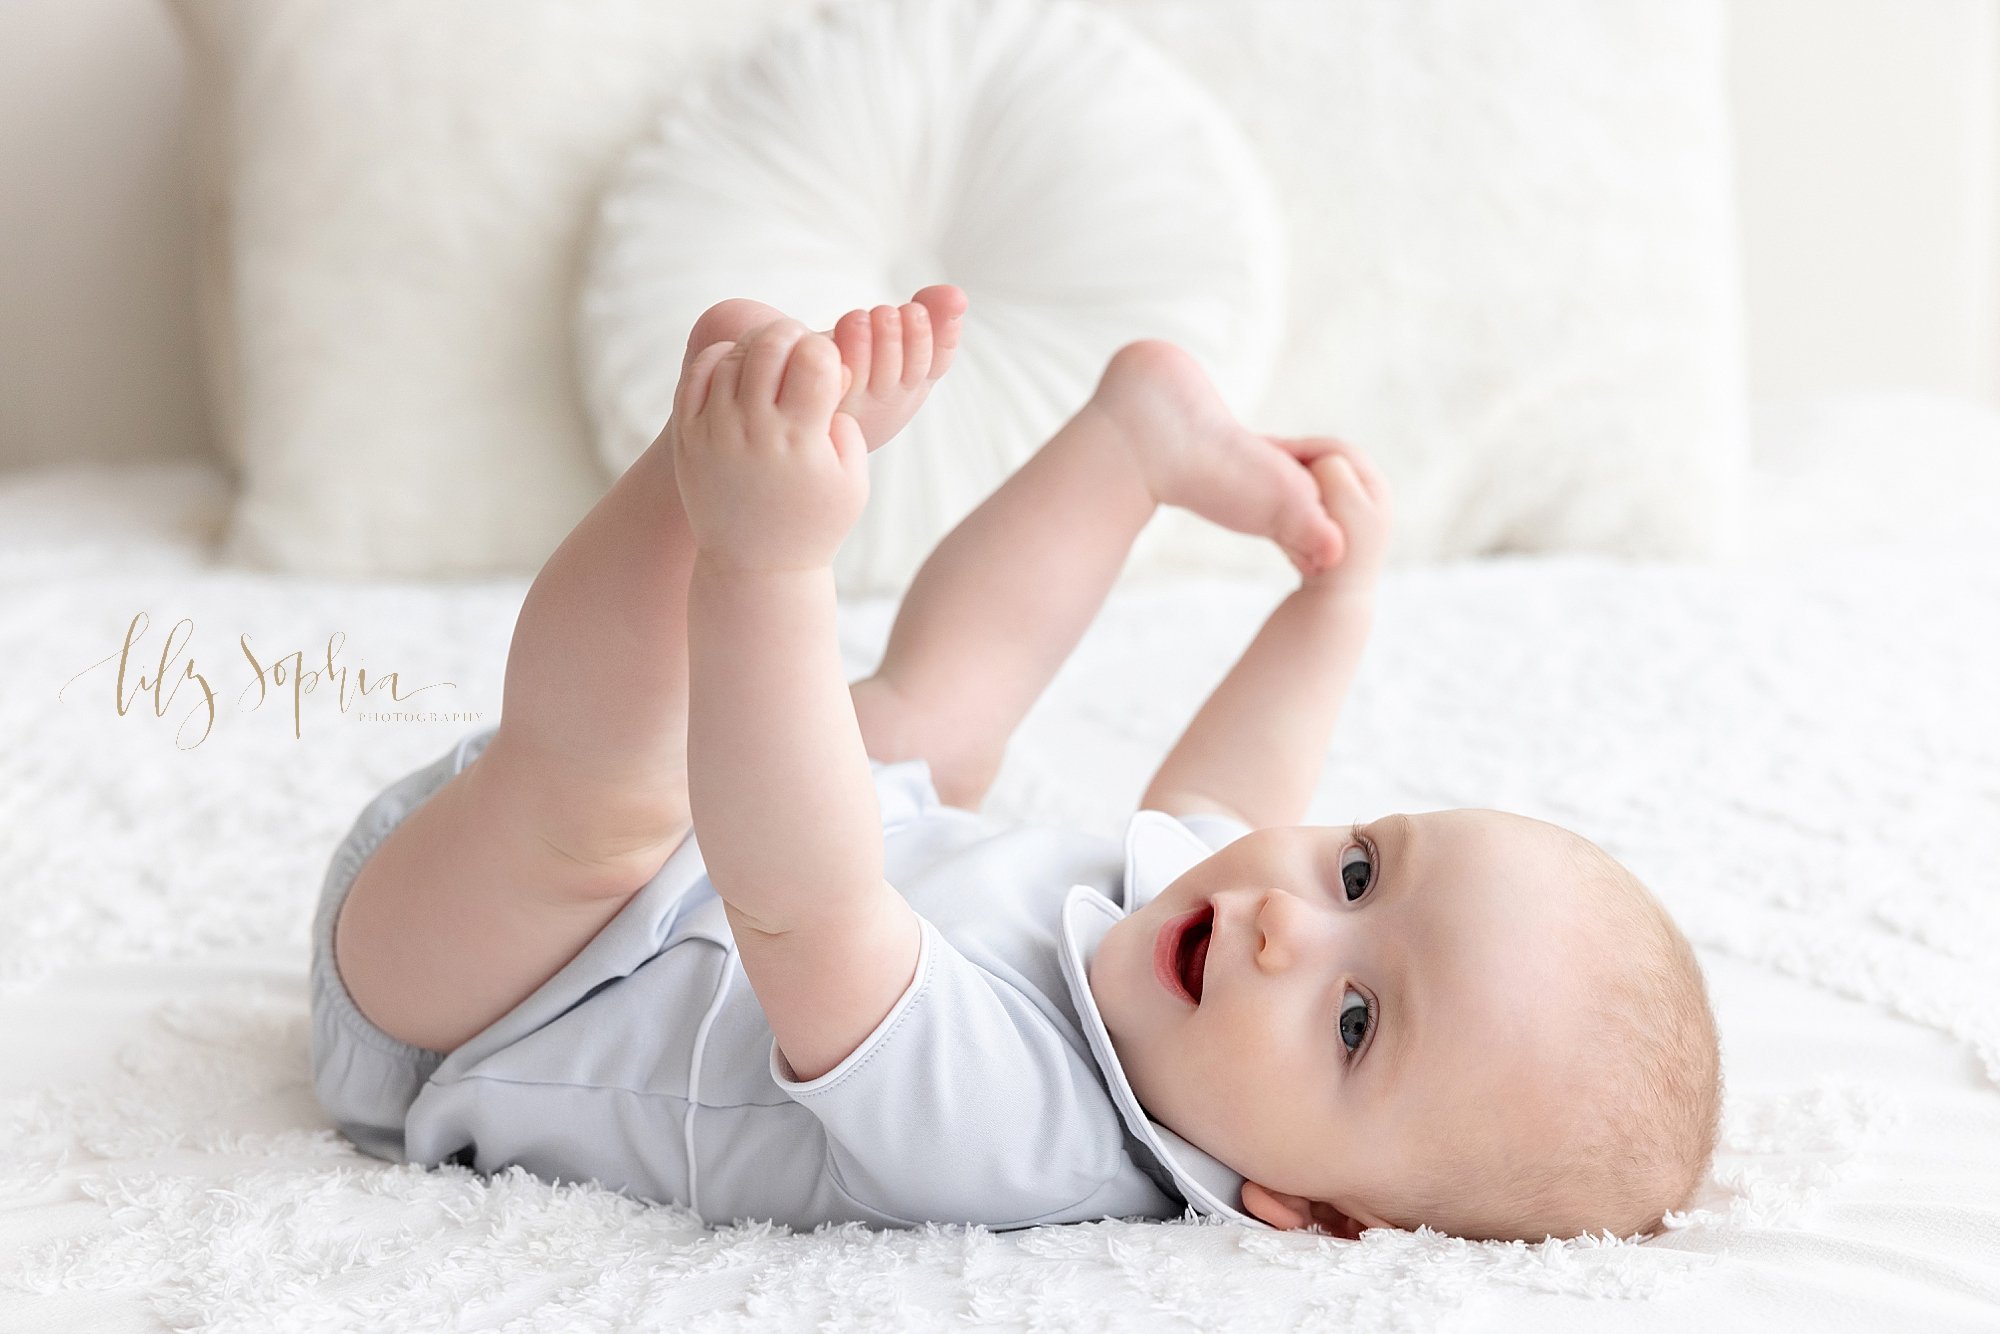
1464	1019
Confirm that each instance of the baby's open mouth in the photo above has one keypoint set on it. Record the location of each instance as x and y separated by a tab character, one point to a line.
1191	952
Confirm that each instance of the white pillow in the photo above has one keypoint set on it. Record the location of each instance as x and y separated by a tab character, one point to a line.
396	198
1082	190
1511	254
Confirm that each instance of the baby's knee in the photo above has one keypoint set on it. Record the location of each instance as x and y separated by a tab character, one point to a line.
895	727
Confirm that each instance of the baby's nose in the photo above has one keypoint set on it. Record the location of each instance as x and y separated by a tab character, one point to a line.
1290	931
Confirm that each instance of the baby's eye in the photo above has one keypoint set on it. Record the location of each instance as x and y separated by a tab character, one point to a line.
1356	876
1353	1020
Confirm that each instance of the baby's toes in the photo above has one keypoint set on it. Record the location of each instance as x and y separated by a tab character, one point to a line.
946	306
886	370
916	344
856	342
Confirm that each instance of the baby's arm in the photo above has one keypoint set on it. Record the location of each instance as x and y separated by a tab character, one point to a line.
783	803
1255	749
784	806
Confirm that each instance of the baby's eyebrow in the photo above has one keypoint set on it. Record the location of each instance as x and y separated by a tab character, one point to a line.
1406	831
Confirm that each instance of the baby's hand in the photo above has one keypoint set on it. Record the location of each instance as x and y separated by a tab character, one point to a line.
1356	497
771	475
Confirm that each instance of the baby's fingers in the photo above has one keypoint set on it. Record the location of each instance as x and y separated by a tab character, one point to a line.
1306	448
812	379
1371	478
1312	449
723	385
848	445
692	392
1340	485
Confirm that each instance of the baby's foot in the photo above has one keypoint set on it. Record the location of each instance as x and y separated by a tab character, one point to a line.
1195	454
896	354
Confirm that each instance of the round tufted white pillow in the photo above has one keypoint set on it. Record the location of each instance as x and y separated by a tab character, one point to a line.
1080	188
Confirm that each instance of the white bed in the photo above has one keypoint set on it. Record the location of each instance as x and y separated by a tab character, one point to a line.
1799	750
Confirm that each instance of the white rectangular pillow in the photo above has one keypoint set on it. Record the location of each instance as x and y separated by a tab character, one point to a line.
398	197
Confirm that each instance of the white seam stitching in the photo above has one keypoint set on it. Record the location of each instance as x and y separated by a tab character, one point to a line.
694	1077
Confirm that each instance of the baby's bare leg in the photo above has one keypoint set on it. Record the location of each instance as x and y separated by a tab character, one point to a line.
1001	601
1004	598
495	882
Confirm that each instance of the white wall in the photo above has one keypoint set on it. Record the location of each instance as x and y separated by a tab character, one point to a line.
1869	173
97	340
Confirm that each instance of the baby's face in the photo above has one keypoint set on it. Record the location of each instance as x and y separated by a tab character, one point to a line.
1369	992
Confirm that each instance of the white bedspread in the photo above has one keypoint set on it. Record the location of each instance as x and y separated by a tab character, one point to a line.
1799	751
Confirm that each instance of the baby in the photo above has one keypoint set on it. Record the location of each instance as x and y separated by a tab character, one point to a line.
853	997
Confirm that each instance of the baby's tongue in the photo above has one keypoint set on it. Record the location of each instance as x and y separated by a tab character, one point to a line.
1196	962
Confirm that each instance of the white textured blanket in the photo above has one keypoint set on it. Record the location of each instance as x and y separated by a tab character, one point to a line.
1800	752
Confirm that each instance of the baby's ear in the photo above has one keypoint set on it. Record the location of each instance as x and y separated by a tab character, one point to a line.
1289	1212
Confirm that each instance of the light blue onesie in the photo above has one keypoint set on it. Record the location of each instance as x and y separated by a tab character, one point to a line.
990	1093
